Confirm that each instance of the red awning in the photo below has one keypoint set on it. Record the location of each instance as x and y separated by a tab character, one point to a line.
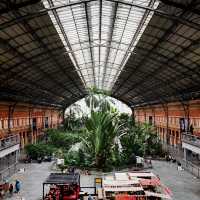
148	182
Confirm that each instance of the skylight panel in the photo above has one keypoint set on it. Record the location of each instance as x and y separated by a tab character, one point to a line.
99	36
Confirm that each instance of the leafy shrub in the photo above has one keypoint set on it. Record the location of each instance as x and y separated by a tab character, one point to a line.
62	139
35	151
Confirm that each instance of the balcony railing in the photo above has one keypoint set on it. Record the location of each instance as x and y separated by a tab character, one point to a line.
9	141
191	139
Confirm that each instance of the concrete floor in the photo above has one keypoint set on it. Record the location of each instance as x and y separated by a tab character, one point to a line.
183	185
31	180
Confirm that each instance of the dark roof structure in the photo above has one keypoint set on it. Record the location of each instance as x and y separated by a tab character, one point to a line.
62	178
143	51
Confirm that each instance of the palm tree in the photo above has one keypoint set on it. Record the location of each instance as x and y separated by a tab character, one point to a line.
92	101
101	130
97	100
72	121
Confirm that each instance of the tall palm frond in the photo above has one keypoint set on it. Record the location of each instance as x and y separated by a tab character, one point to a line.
101	132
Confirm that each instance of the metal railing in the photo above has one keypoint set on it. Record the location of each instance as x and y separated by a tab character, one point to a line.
192	168
191	139
9	141
177	153
8	172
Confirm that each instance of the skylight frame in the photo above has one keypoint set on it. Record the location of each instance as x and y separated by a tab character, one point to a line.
100	35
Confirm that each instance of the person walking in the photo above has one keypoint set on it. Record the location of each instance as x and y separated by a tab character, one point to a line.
17	186
11	189
90	197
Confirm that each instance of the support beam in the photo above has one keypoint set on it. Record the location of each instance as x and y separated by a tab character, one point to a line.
156	12
28	27
153	74
90	42
110	40
48	76
11	6
180	6
100	25
11	109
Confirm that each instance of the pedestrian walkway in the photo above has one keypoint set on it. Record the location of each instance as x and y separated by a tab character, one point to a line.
184	186
31	181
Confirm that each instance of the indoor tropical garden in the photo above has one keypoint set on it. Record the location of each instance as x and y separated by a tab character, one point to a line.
98	136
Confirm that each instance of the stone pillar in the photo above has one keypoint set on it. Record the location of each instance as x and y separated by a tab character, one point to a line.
32	139
25	137
22	141
35	137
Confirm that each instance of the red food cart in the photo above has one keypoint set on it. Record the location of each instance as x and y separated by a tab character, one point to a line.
61	186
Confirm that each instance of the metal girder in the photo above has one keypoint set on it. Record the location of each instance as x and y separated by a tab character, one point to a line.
152	74
86	68
100	24
173	98
13	74
161	14
121	39
156	71
65	36
156	11
151	3
195	46
41	43
122	100
7	94
71	51
28	59
89	37
31	64
67	104
158	63
35	85
166	34
11	6
110	39
120	2
181	6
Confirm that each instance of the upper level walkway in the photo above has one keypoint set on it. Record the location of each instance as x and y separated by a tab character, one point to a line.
191	139
9	145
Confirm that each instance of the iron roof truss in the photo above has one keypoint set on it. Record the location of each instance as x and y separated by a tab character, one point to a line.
144	51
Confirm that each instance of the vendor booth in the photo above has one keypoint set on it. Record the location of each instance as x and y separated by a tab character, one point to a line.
61	186
134	186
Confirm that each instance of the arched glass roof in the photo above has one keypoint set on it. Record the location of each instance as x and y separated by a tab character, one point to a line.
143	51
100	35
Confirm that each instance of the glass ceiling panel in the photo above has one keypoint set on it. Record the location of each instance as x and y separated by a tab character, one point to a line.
99	35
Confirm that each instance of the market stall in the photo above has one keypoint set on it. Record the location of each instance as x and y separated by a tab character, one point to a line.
61	186
134	186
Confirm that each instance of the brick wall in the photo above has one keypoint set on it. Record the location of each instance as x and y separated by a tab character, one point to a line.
28	121
166	119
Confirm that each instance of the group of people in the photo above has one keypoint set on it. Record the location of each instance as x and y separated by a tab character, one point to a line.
6	187
169	158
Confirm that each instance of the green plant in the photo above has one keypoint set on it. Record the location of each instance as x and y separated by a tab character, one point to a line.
62	167
72	120
63	140
140	140
101	130
106	139
72	158
35	151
